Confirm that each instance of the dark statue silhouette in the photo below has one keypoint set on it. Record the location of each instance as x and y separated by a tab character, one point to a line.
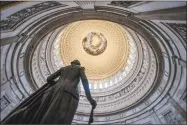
55	102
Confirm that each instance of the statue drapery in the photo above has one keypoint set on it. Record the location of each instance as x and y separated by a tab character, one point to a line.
55	102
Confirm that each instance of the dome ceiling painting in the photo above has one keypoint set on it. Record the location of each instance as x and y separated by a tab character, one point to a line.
133	65
102	47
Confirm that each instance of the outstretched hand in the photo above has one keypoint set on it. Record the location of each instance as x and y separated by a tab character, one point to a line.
94	104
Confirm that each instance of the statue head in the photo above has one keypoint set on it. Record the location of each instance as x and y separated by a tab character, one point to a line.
75	62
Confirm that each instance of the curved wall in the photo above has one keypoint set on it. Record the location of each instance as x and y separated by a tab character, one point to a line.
164	103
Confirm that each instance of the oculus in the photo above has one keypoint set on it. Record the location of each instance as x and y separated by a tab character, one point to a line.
94	43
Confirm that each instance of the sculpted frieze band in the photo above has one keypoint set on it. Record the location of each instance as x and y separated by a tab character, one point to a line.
19	16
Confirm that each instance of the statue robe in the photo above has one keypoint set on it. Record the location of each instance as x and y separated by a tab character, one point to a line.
55	102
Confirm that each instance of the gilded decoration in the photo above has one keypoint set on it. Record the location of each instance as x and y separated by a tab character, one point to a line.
101	46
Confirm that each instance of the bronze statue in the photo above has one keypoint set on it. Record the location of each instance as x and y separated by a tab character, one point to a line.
55	102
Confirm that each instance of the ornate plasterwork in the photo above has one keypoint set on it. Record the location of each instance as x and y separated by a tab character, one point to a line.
125	4
38	76
4	102
94	43
179	28
103	65
19	16
171	118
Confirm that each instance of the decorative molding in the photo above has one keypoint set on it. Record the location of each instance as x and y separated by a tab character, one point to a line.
179	28
4	102
86	5
125	4
19	16
171	118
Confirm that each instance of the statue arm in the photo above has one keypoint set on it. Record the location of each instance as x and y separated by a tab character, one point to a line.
54	76
85	85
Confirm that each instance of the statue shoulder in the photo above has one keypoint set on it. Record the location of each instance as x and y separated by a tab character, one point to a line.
65	67
82	68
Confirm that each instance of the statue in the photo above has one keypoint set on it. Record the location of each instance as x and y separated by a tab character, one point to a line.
55	102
